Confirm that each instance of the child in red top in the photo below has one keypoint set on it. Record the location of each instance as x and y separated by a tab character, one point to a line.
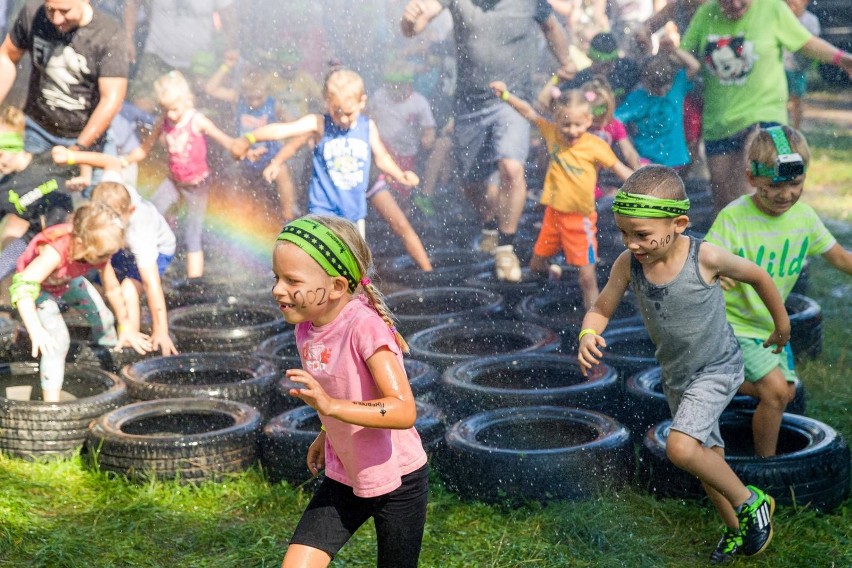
53	266
353	376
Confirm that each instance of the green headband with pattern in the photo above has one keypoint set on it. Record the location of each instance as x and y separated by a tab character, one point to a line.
647	206
11	142
602	56
325	247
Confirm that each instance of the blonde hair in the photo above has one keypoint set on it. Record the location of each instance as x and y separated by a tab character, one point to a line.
343	83
761	148
656	181
348	233
570	99
13	118
113	194
173	87
599	87
99	228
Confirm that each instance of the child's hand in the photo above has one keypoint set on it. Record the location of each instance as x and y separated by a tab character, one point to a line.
270	172
667	44
311	392
779	339
254	154
727	283
60	154
164	343
231	58
240	147
499	87
42	342
78	183
589	353
138	341
316	454
409	179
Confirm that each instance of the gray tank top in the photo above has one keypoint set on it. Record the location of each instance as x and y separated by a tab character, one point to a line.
686	321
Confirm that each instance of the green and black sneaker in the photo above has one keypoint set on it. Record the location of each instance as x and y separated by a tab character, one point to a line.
728	546
755	518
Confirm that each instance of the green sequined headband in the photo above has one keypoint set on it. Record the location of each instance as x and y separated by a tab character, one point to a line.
325	247
648	207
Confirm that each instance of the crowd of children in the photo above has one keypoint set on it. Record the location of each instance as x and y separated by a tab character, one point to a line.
631	111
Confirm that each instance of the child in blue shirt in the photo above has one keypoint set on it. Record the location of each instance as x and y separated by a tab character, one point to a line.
655	110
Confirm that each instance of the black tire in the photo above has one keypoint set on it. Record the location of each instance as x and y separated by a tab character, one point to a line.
209	289
419	308
287	437
191	439
513	292
230	376
629	350
811	468
9	330
452	343
645	404
805	326
88	353
425	380
530	379
535	453
35	429
450	267
282	345
224	327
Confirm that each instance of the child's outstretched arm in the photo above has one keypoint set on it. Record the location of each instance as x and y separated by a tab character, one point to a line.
62	155
631	155
153	287
395	409
141	152
308	124
520	105
214	87
24	291
718	262
598	316
689	62
287	151
385	162
839	258
127	335
206	127
622	171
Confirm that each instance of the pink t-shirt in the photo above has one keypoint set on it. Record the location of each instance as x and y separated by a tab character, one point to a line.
370	460
58	237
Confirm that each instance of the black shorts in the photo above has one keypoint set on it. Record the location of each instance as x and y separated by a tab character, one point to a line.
335	513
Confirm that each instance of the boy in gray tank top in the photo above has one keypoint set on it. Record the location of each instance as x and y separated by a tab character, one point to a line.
676	281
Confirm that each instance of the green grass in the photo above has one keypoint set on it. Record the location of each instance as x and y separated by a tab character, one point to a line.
62	514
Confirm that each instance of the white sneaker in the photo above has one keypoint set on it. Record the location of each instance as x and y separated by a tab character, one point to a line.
507	267
488	241
554	273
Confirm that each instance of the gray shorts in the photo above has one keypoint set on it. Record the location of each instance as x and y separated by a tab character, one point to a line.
696	409
482	138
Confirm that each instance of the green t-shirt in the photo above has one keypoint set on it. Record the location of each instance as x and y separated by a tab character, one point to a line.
743	71
779	245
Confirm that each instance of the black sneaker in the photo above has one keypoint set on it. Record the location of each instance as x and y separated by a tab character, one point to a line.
756	523
729	545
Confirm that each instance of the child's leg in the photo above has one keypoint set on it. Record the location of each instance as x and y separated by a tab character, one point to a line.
773	393
196	208
436	164
52	365
387	207
286	193
400	522
547	243
83	296
707	465
720	502
165	196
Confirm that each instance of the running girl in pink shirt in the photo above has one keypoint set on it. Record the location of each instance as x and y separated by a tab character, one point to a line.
352	375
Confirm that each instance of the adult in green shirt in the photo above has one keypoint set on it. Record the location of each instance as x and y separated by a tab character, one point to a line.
739	43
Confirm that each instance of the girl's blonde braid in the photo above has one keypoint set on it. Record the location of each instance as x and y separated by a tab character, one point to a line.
378	302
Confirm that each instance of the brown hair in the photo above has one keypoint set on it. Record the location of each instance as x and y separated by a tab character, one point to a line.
99	228
348	233
599	87
14	118
343	82
113	194
761	148
656	181
658	71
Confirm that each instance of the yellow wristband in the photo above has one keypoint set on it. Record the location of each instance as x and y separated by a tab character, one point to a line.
322	428
505	96
250	137
586	332
123	162
70	161
554	80
224	67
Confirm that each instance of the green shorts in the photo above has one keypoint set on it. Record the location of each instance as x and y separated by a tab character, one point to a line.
760	360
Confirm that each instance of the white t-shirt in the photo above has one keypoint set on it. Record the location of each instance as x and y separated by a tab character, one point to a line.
179	29
401	123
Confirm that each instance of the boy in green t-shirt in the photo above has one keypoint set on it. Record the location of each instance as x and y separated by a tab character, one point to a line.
771	228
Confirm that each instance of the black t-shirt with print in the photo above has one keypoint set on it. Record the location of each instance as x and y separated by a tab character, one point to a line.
37	194
63	90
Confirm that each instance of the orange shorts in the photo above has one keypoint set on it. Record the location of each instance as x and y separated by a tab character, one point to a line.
574	233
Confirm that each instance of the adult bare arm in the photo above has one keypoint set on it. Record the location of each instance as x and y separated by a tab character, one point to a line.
112	90
9	57
557	41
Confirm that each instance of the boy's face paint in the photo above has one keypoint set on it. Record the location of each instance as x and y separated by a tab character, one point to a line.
775	199
301	286
649	240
